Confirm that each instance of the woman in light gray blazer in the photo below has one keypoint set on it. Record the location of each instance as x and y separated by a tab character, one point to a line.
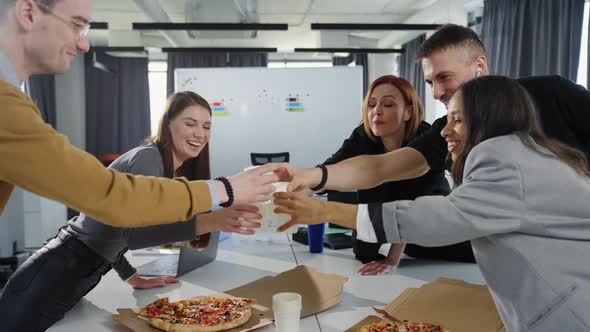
522	199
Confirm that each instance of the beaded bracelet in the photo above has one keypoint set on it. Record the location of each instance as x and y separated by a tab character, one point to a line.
229	190
324	178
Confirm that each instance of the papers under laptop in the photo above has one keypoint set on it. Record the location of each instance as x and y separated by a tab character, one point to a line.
187	260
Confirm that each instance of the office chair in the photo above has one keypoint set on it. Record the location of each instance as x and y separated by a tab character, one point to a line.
265	158
107	158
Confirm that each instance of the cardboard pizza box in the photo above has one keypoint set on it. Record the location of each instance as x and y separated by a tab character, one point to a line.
367	320
319	292
454	304
133	322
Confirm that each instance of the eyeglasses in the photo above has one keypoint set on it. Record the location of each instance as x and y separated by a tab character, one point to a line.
81	29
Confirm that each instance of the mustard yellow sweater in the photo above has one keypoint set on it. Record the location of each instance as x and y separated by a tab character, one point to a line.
37	158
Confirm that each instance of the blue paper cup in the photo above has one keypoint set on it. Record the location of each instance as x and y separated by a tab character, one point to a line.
315	238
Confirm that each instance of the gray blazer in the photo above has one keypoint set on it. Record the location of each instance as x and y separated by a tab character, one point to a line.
528	219
111	242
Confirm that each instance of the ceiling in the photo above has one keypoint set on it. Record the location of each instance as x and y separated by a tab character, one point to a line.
298	14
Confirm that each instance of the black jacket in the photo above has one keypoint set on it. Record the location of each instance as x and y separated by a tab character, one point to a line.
359	143
431	183
563	108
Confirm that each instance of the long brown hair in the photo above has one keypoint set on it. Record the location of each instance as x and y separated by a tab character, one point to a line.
197	168
495	106
410	98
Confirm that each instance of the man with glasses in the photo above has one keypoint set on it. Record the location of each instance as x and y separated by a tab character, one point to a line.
79	24
44	37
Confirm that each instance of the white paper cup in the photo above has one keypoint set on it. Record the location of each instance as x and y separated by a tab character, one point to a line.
287	311
287	322
271	220
286	301
281	218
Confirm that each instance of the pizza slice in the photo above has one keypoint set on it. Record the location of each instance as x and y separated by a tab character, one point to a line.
162	308
402	327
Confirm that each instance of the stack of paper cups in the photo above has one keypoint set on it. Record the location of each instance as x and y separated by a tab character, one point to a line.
287	310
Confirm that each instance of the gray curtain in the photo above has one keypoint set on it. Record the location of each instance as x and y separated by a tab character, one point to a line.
211	60
410	69
192	60
248	59
117	103
533	37
360	59
41	89
342	61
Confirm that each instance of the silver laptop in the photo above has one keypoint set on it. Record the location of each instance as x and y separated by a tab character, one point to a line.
187	260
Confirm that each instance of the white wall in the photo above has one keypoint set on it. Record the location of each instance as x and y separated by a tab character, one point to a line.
381	64
42	217
11	224
71	103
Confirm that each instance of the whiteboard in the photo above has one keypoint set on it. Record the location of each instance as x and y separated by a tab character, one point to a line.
307	112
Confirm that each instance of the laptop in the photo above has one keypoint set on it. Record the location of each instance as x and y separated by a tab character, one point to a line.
187	260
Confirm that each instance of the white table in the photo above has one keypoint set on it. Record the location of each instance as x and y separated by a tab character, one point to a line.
243	259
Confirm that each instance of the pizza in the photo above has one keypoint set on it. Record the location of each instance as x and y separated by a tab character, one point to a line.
201	314
402	327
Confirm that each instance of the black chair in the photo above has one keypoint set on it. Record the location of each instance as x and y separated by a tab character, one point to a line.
265	158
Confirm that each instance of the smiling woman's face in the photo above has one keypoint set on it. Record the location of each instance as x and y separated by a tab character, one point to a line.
190	132
454	131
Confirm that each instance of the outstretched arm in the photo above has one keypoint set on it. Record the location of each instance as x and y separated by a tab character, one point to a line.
307	210
129	273
488	202
40	160
362	172
426	152
242	219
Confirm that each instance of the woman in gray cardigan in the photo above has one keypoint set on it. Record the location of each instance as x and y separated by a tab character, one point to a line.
523	201
180	148
58	275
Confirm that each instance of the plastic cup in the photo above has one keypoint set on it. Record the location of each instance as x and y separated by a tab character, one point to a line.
315	238
287	311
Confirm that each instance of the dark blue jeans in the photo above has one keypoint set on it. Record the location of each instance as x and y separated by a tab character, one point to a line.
49	284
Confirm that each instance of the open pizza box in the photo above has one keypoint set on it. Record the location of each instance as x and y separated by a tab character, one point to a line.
454	304
319	291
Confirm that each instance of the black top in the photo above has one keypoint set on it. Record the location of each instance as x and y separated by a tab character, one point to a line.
359	143
563	108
